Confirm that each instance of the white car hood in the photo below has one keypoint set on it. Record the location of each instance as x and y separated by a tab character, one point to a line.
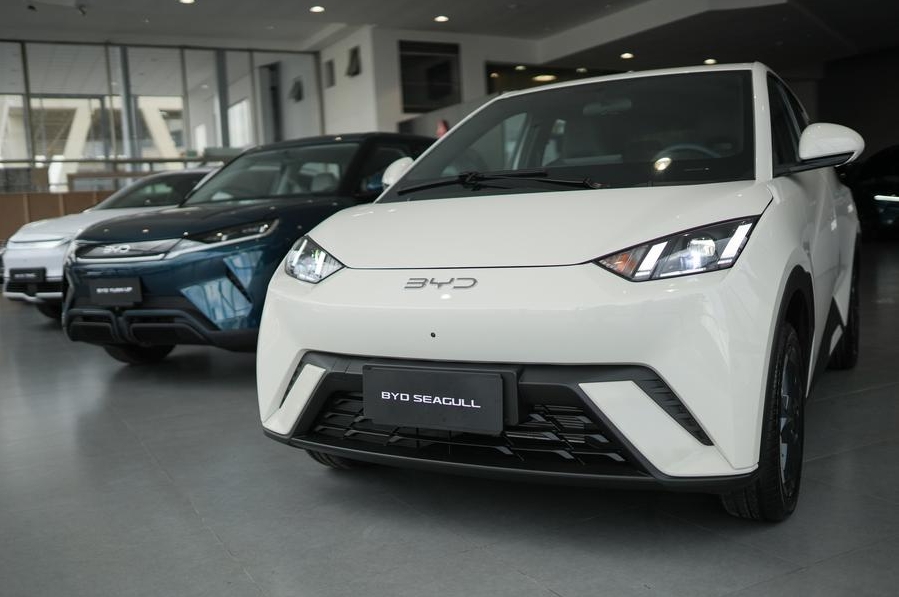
533	229
69	226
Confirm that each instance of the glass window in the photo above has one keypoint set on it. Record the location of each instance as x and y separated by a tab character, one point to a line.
156	89
13	129
784	136
797	108
202	99
429	74
239	124
288	172
240	92
657	130
69	109
154	191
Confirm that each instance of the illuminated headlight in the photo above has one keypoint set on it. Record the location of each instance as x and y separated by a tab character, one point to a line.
225	235
308	262
705	249
237	232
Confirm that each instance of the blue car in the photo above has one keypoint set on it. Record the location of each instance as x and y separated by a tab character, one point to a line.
198	273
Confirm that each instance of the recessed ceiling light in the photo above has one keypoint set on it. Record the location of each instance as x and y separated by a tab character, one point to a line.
710	61
627	56
580	70
317	9
186	1
270	27
441	18
544	78
494	75
521	67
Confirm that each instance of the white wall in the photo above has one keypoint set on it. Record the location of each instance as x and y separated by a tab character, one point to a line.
350	106
303	118
474	52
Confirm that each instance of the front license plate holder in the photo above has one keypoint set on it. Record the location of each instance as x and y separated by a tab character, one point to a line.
28	276
465	401
115	292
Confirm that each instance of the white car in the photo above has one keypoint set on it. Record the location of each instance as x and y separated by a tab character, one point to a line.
630	280
34	255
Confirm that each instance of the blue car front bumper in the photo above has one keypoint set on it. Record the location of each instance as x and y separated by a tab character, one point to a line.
212	297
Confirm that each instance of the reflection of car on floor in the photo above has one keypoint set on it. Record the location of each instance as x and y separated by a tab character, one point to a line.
197	274
875	186
35	254
636	289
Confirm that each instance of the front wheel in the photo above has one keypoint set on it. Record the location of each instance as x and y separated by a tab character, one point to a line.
774	493
137	355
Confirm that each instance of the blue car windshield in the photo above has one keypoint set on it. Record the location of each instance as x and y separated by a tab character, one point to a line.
288	172
656	130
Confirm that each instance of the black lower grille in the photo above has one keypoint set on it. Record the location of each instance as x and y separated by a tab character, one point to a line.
549	437
32	288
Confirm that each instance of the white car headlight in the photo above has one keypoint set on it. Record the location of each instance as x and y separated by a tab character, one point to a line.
38	244
706	249
308	262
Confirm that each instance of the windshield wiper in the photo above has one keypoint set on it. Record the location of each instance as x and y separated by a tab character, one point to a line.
475	180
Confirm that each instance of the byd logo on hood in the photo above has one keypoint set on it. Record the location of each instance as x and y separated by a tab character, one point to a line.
454	283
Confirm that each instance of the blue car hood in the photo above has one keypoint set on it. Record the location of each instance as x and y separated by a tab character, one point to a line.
191	220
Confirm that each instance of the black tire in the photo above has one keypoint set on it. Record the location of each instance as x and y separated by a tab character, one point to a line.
336	462
845	355
773	495
51	310
137	355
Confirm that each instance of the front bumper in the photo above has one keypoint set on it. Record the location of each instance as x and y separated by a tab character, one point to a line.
48	290
552	429
211	297
703	338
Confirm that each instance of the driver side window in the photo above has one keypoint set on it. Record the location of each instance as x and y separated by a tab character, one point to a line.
784	133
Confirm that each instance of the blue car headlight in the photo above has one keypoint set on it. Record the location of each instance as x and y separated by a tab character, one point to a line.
232	234
705	249
308	262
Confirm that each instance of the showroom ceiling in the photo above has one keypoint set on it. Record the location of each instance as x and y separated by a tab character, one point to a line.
786	34
290	20
797	33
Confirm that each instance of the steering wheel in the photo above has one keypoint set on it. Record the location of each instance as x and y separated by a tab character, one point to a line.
687	147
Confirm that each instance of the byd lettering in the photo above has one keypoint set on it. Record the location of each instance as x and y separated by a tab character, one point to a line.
116	249
454	283
428	399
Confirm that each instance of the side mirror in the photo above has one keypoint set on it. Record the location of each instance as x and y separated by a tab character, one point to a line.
825	144
395	171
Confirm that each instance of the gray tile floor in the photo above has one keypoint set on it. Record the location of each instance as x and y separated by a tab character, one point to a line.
126	481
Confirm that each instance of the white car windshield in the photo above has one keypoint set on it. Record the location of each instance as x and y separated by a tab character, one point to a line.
646	131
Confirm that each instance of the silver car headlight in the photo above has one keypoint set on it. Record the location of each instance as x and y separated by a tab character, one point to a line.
705	249
308	262
39	244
